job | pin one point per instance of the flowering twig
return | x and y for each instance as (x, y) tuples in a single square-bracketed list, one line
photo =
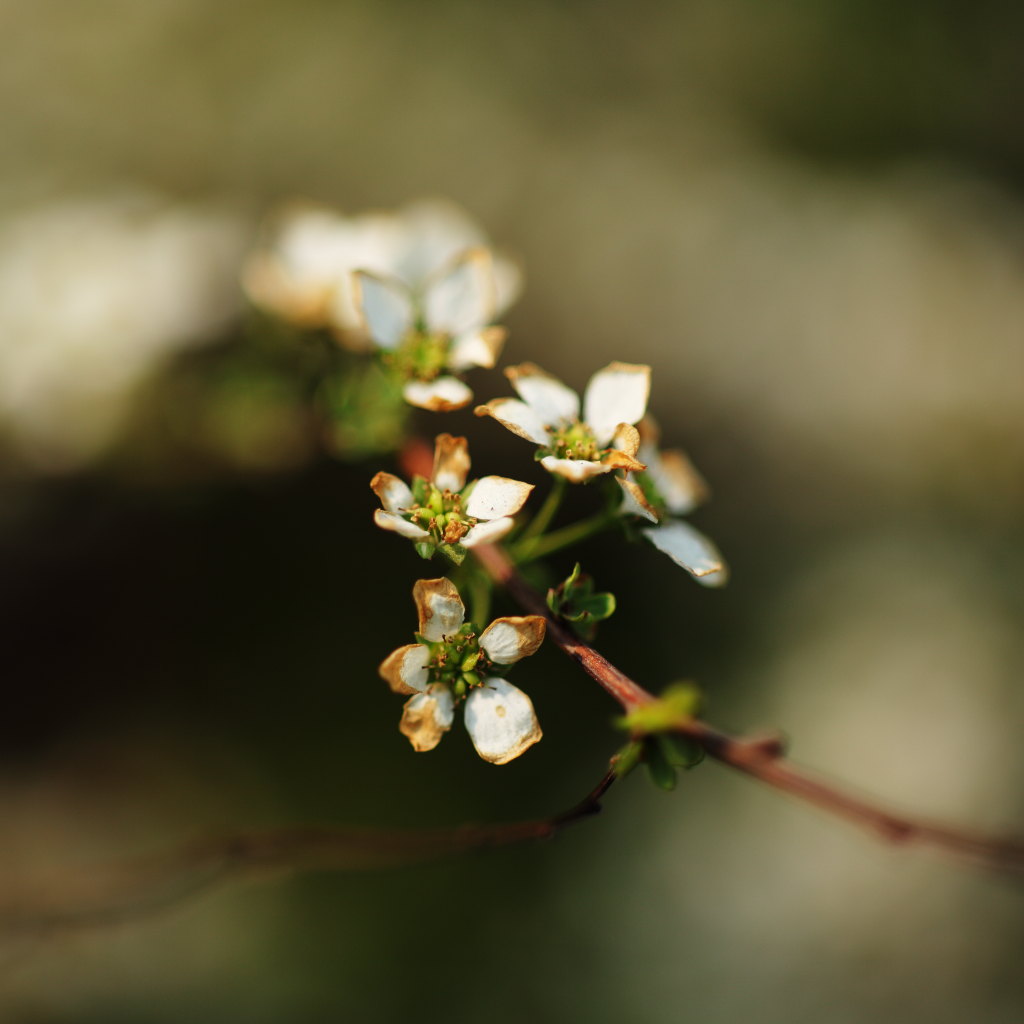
[(762, 757)]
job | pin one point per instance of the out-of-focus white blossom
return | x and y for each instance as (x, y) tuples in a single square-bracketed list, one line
[(95, 295), (430, 336), (303, 271)]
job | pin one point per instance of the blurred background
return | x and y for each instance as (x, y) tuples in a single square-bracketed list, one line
[(806, 216)]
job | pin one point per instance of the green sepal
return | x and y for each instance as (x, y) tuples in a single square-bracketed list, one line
[(627, 759), (456, 552), (660, 769), (420, 490), (425, 549)]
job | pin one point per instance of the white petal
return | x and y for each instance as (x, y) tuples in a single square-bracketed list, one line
[(441, 395), (617, 394), (500, 721), (677, 480), (508, 639), (576, 471), (427, 717), (477, 348), (495, 496), (690, 549), (385, 306), (439, 607), (487, 533), (436, 231), (394, 522), (451, 462), (633, 501), (549, 398), (405, 670), (462, 298), (518, 417), (394, 494)]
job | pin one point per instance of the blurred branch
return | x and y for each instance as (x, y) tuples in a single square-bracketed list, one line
[(133, 891), (762, 757)]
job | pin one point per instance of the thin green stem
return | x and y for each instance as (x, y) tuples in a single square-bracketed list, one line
[(480, 588), (529, 551), (542, 520)]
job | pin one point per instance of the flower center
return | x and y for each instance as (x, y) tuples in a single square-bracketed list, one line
[(572, 440), (439, 513), (458, 662), (421, 356)]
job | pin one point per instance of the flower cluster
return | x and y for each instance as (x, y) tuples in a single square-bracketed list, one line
[(442, 513), (452, 664), (548, 414)]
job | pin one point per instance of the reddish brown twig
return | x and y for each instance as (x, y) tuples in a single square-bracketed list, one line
[(762, 758), (128, 892)]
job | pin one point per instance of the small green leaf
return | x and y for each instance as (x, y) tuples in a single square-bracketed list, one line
[(679, 703), (680, 751), (627, 758), (575, 601), (660, 770)]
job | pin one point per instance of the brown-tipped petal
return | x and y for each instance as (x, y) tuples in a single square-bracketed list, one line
[(620, 460), (496, 496), (427, 717), (518, 417), (396, 524), (405, 670), (394, 494), (500, 721), (451, 462), (634, 502), (444, 394), (691, 550), (439, 607), (576, 471), (547, 396), (616, 394), (626, 439), (512, 637), (476, 348), (650, 432)]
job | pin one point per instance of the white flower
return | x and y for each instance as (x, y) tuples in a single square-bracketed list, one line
[(302, 270), (432, 334), (670, 486), (450, 664), (443, 512), (548, 413)]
